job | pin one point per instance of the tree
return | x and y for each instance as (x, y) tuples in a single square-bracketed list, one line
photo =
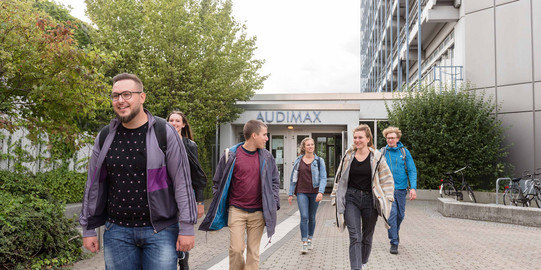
[(47, 83), (61, 14), (191, 54), (446, 131)]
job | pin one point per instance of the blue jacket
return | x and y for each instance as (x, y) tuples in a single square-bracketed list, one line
[(169, 189), (217, 214), (394, 158), (319, 174)]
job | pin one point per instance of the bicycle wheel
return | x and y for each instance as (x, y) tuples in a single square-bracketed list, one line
[(471, 196), (510, 196), (447, 190), (538, 197)]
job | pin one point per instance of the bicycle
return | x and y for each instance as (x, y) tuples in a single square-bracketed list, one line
[(523, 190), (448, 187)]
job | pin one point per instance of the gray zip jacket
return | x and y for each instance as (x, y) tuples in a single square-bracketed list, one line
[(169, 189), (217, 215)]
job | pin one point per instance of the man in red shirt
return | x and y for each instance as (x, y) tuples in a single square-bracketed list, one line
[(248, 198)]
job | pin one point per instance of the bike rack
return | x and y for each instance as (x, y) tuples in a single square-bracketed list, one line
[(498, 186)]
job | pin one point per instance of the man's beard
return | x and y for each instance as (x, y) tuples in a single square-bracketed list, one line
[(129, 117)]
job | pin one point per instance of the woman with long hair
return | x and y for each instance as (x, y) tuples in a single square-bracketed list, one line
[(178, 120), (308, 181), (363, 189)]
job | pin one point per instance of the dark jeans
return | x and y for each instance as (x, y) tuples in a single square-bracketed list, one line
[(398, 212), (360, 216)]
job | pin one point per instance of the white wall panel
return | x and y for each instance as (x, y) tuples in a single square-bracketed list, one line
[(520, 135), (476, 5), (515, 98), (479, 62), (537, 96), (536, 24), (513, 43)]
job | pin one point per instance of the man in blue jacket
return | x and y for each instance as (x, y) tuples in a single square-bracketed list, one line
[(246, 196), (402, 167), (141, 194)]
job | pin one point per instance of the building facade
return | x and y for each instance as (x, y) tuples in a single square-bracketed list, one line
[(328, 118), (494, 45)]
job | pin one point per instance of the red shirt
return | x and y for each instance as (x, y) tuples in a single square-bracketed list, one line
[(245, 190), (304, 182)]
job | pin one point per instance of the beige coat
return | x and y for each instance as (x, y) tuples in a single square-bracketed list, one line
[(382, 186)]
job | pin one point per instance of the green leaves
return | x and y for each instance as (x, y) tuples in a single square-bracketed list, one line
[(49, 84), (34, 233), (190, 54), (446, 131)]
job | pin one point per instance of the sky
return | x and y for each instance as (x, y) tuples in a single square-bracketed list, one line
[(309, 46)]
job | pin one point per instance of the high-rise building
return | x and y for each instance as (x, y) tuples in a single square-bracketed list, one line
[(495, 45)]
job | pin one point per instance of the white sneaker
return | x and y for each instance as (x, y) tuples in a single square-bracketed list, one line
[(310, 245), (365, 266), (304, 248)]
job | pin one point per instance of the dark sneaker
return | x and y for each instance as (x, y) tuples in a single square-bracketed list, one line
[(394, 249)]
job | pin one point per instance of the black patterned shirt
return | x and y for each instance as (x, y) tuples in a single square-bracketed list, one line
[(127, 202)]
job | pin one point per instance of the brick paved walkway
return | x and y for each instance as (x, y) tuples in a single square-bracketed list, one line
[(429, 241)]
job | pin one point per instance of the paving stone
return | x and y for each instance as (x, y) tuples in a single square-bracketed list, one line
[(429, 241)]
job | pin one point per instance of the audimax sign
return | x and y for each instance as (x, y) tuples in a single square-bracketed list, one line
[(289, 117)]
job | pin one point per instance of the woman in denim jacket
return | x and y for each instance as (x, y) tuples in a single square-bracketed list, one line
[(308, 181)]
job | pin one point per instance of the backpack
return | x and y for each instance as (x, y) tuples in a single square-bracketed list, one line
[(383, 150), (159, 129)]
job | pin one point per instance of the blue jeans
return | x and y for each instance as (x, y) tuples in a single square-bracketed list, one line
[(398, 211), (308, 208), (139, 247), (360, 210)]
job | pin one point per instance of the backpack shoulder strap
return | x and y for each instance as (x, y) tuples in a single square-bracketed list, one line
[(383, 150), (161, 133), (226, 154), (103, 134), (402, 149)]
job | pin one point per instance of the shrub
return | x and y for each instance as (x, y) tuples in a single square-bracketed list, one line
[(446, 131), (63, 184), (34, 233)]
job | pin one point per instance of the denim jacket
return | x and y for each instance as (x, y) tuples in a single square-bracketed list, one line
[(319, 174)]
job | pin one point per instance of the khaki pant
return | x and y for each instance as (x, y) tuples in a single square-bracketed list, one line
[(253, 224)]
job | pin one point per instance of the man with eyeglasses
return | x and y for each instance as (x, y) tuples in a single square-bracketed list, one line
[(143, 197), (403, 169)]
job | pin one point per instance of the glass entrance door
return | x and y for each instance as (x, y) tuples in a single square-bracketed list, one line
[(277, 150), (329, 148)]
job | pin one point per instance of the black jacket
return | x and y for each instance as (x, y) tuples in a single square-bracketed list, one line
[(199, 179)]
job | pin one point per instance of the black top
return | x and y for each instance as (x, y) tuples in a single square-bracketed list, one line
[(126, 161), (360, 174)]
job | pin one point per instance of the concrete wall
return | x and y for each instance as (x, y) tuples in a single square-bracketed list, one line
[(490, 212), (502, 43)]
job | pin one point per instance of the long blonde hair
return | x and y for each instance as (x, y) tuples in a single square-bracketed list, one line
[(367, 132), (303, 145)]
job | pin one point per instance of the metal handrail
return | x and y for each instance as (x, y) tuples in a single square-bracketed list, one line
[(498, 186)]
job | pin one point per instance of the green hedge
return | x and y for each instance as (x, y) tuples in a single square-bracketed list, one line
[(445, 131), (63, 184), (34, 233)]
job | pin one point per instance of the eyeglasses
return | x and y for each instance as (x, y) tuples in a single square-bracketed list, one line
[(126, 95), (392, 138)]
